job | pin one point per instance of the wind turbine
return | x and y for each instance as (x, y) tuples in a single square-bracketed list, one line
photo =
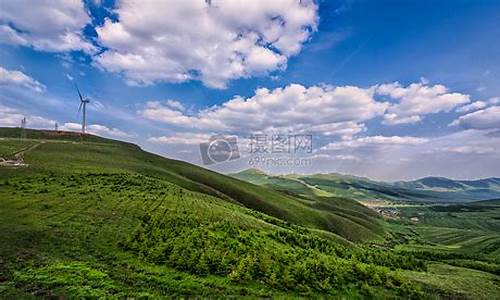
[(83, 103)]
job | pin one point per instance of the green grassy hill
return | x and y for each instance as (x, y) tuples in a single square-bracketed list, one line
[(429, 189), (106, 156), (97, 218), (345, 212)]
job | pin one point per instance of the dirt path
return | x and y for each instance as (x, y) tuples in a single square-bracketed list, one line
[(19, 157)]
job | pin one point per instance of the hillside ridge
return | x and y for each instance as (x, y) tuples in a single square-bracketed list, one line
[(107, 155), (426, 189)]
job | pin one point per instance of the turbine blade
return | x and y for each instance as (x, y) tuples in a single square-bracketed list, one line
[(80, 107), (79, 94)]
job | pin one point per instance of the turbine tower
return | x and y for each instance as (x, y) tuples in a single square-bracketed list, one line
[(83, 104)]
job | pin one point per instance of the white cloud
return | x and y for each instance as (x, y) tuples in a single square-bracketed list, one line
[(163, 112), (96, 129), (47, 25), (395, 119), (10, 117), (181, 139), (462, 154), (176, 41), (342, 157), (346, 157), (375, 141), (107, 131), (174, 104), (488, 118), (392, 140), (466, 149), (471, 107), (494, 101), (416, 100), (18, 78), (343, 129), (325, 109)]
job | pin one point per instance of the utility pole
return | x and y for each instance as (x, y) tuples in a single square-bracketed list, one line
[(23, 128)]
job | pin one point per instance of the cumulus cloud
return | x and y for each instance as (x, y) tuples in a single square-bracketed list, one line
[(418, 99), (338, 118), (107, 131), (212, 41), (11, 117), (341, 157), (18, 78), (96, 129), (174, 104), (323, 109), (326, 110), (494, 101), (47, 25), (472, 107), (376, 141), (466, 149), (164, 112), (343, 129), (488, 118), (181, 139)]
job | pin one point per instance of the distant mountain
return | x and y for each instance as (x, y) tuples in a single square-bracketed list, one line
[(460, 190), (438, 183), (428, 189), (493, 202)]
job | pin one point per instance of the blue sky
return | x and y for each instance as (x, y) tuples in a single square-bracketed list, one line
[(388, 89)]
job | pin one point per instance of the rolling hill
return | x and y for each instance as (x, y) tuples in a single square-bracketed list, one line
[(88, 217), (429, 189), (493, 202), (56, 154)]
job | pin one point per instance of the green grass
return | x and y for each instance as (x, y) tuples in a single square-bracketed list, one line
[(92, 235), (349, 218), (465, 236), (104, 219), (462, 240), (456, 282), (73, 157), (8, 147)]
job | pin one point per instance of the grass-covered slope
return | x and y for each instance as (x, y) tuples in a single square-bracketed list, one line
[(125, 235), (96, 218), (96, 154), (105, 219), (347, 215)]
